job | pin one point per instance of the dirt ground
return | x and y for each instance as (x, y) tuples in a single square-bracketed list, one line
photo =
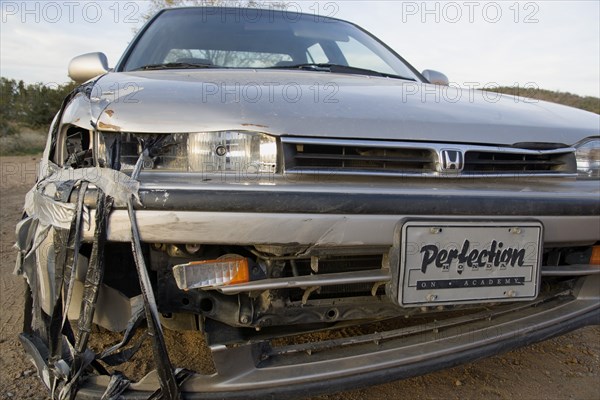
[(567, 367)]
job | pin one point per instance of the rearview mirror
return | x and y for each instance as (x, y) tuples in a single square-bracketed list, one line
[(87, 66), (435, 77)]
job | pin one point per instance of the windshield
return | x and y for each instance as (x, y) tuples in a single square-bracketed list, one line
[(253, 38)]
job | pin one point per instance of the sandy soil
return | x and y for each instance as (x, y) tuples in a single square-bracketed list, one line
[(567, 367)]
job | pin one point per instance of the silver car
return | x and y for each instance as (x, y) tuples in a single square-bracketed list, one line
[(327, 216)]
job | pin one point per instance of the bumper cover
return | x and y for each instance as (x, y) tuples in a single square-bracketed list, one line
[(261, 371), (342, 215)]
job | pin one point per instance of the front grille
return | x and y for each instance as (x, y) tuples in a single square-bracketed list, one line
[(363, 157), (489, 162)]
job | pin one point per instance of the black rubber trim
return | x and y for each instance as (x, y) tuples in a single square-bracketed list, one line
[(372, 203), (384, 376)]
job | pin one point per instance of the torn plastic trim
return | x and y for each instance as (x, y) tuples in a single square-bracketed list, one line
[(113, 183), (41, 202), (95, 273), (169, 385), (70, 269), (67, 377), (47, 207), (114, 310), (48, 211), (59, 336), (63, 375), (117, 385), (135, 320)]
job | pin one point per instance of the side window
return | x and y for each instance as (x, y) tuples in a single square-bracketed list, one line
[(360, 56), (315, 54)]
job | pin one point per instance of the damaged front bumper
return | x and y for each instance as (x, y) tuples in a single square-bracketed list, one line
[(173, 209), (98, 206), (261, 370)]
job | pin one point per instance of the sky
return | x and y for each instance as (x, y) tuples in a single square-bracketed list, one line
[(552, 45)]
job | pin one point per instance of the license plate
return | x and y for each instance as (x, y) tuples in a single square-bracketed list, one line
[(469, 262)]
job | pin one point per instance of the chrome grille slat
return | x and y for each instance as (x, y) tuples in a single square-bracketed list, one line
[(514, 162), (356, 158)]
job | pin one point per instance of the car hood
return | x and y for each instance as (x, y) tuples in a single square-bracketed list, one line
[(321, 104)]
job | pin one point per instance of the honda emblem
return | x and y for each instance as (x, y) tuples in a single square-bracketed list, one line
[(452, 160)]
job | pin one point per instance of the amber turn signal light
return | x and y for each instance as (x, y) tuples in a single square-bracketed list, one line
[(595, 258)]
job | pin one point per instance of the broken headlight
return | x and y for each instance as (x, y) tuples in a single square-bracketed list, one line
[(207, 152), (588, 158)]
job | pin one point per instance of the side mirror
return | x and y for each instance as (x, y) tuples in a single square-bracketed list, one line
[(87, 66), (435, 77)]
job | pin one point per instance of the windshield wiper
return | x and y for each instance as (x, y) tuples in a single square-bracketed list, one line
[(174, 66), (342, 69)]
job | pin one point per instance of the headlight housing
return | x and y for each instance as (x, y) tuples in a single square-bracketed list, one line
[(222, 152), (588, 158), (231, 151)]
